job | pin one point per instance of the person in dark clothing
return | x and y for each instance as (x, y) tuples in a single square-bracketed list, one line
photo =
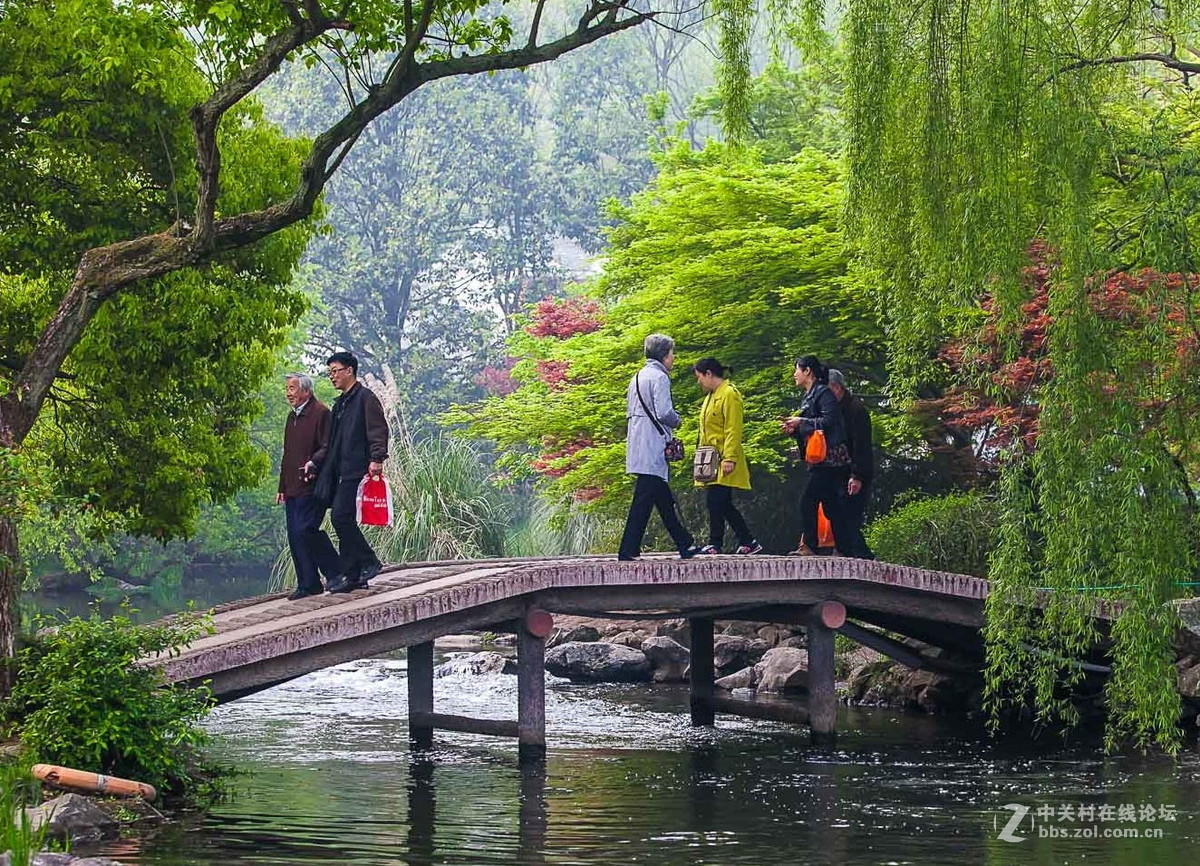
[(304, 436), (857, 421), (358, 442), (826, 480)]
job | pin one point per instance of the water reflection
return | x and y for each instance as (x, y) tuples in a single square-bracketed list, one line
[(329, 779)]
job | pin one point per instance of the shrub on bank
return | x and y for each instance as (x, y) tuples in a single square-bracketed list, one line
[(82, 700), (955, 533)]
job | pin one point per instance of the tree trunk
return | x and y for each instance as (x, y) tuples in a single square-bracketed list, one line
[(10, 584)]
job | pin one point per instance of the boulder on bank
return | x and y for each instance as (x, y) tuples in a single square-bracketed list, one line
[(632, 639), (47, 858), (668, 658), (73, 817), (678, 630), (476, 664), (783, 669), (598, 663)]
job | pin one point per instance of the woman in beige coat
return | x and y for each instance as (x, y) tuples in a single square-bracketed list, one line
[(721, 427)]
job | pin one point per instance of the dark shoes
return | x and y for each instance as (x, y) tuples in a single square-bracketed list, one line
[(369, 572), (345, 583), (301, 592), (689, 553), (627, 558)]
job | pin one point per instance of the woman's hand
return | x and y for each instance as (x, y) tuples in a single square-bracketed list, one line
[(790, 424), (727, 467)]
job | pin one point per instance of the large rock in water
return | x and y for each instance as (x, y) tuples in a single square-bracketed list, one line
[(74, 817), (746, 678), (783, 669), (476, 664), (598, 663), (733, 652), (668, 658)]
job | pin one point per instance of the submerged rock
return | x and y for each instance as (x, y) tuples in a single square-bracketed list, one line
[(746, 678), (476, 664), (598, 662), (74, 817)]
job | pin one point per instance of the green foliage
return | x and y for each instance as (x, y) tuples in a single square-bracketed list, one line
[(954, 533), (18, 790), (974, 130), (731, 257), (82, 700)]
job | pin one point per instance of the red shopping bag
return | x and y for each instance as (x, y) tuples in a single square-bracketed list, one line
[(374, 504)]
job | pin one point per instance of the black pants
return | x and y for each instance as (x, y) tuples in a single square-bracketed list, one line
[(826, 487), (853, 508), (355, 552), (721, 509), (651, 492), (312, 551)]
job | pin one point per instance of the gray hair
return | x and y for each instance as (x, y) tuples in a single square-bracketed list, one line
[(658, 346), (305, 382), (836, 378)]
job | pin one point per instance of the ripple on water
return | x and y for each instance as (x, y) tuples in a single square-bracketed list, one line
[(628, 780)]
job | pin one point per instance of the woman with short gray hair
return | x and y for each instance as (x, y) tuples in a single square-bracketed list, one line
[(651, 420)]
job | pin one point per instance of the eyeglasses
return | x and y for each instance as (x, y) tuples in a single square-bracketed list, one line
[(333, 370)]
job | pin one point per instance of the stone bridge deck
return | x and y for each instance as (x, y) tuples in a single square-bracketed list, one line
[(263, 641)]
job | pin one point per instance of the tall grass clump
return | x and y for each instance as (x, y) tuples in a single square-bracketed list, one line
[(18, 790)]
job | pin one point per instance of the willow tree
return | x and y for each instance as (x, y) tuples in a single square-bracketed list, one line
[(124, 60), (975, 130)]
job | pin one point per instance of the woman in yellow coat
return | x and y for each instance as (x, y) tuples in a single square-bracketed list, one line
[(721, 427)]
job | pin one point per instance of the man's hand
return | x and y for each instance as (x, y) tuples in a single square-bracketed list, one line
[(279, 499), (375, 468), (727, 467), (854, 487), (308, 471)]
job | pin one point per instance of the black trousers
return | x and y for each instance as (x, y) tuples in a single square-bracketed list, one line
[(355, 552), (826, 487), (721, 510), (651, 492), (312, 551), (853, 508)]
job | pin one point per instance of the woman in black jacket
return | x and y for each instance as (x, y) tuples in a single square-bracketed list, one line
[(827, 479)]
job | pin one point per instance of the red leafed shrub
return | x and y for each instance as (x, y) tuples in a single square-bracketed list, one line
[(497, 380), (554, 461), (564, 317), (1006, 411), (554, 373)]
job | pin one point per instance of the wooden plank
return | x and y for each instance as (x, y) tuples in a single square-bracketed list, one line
[(822, 699), (759, 710), (464, 724), (531, 695), (701, 673), (420, 695)]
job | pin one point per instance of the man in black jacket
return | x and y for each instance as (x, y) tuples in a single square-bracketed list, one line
[(857, 422), (358, 441)]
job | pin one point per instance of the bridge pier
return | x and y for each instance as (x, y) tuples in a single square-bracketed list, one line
[(531, 685), (823, 619), (701, 674), (420, 696)]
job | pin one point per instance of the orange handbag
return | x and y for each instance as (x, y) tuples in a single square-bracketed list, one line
[(815, 450)]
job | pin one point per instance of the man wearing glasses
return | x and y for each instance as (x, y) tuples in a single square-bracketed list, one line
[(358, 441)]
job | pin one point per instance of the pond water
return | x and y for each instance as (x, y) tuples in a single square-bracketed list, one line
[(328, 779)]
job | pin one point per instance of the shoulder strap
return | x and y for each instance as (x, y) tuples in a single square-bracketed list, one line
[(703, 409), (649, 414)]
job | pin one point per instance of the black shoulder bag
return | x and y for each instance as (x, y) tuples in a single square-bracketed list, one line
[(672, 447)]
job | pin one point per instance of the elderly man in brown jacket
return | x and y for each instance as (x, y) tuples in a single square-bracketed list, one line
[(304, 436)]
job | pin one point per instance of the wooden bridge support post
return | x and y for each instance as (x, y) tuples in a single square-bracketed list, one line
[(420, 695), (531, 685), (822, 699), (701, 676)]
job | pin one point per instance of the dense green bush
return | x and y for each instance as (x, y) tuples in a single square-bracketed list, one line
[(82, 700), (953, 533)]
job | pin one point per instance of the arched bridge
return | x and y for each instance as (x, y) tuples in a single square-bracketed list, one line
[(263, 641)]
